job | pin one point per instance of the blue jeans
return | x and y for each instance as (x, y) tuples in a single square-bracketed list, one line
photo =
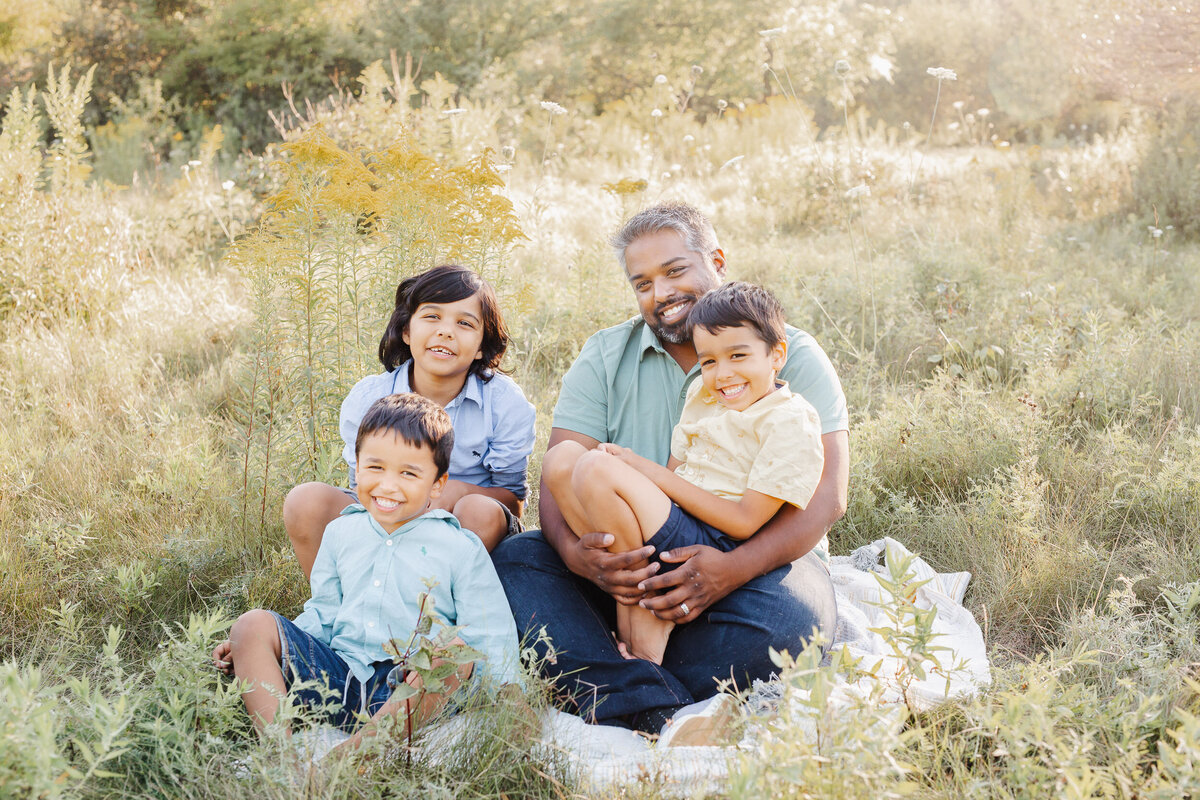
[(729, 640), (305, 659)]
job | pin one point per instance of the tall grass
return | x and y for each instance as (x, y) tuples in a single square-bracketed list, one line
[(1023, 390)]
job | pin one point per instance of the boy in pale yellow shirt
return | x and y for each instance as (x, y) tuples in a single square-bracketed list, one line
[(744, 445)]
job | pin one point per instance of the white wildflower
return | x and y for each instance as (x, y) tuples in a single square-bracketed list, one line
[(227, 185), (1156, 232), (656, 113), (697, 69), (722, 104), (731, 162), (841, 68), (958, 105), (883, 67), (195, 163), (862, 190), (453, 112), (942, 74), (688, 138), (660, 79), (771, 33), (552, 107), (983, 112), (503, 167)]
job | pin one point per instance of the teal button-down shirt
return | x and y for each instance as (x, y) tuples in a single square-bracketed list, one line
[(365, 584), (626, 389)]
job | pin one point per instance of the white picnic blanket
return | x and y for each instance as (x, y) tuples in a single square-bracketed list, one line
[(602, 759)]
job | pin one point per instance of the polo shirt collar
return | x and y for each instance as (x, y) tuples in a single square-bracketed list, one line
[(648, 341)]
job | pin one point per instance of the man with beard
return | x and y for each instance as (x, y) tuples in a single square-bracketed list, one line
[(627, 386)]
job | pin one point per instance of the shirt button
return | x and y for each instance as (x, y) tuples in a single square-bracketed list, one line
[(389, 542), (377, 582), (370, 624)]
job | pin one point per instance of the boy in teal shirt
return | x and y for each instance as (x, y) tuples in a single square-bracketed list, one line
[(373, 563)]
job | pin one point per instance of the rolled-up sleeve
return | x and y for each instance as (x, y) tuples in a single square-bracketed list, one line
[(486, 622), (507, 457)]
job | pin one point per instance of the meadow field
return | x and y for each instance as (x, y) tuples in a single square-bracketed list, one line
[(1013, 310)]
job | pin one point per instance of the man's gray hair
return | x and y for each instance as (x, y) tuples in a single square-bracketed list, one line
[(697, 232)]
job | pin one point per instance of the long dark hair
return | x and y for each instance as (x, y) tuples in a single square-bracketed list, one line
[(448, 283)]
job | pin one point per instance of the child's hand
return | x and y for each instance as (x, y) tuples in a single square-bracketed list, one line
[(624, 453), (627, 456), (222, 659)]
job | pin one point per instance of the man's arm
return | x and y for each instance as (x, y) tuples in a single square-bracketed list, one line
[(587, 556), (708, 574)]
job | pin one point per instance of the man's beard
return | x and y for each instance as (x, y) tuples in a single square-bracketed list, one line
[(673, 332)]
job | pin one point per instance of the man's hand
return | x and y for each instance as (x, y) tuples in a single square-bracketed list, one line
[(221, 659), (617, 574), (703, 577)]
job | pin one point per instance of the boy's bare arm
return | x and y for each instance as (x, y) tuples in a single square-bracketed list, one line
[(737, 518), (708, 574)]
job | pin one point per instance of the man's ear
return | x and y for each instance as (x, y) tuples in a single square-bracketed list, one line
[(435, 491), (718, 261)]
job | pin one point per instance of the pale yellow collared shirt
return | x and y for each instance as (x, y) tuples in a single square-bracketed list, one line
[(773, 447)]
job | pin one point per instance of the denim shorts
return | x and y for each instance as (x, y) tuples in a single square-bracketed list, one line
[(682, 529), (307, 660)]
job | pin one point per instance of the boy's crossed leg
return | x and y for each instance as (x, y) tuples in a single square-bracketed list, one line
[(596, 491)]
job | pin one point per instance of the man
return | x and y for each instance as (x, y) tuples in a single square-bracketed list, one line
[(627, 387)]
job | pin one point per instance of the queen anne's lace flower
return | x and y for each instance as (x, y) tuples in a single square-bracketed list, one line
[(552, 107), (942, 74)]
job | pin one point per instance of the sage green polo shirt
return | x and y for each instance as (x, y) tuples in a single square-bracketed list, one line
[(626, 389)]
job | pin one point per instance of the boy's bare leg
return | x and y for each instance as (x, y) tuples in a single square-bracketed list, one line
[(254, 649), (419, 709), (483, 516), (558, 470), (621, 501), (307, 509)]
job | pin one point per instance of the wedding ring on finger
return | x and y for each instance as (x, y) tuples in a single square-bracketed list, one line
[(683, 607)]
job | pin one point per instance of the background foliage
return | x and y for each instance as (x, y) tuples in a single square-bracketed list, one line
[(192, 275)]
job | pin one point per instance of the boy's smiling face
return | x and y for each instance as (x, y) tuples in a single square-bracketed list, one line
[(396, 479), (736, 365)]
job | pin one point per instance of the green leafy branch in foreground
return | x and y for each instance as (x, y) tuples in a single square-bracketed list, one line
[(433, 659)]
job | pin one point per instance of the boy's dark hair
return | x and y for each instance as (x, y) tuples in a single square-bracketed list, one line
[(739, 303), (418, 421), (448, 283)]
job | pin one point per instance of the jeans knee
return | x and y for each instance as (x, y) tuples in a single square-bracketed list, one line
[(523, 551)]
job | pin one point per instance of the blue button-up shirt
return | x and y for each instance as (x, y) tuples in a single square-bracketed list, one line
[(493, 427), (365, 584)]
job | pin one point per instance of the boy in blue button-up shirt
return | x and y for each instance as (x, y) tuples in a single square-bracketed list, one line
[(372, 565)]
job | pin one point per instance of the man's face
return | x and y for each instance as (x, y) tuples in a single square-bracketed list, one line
[(667, 279)]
